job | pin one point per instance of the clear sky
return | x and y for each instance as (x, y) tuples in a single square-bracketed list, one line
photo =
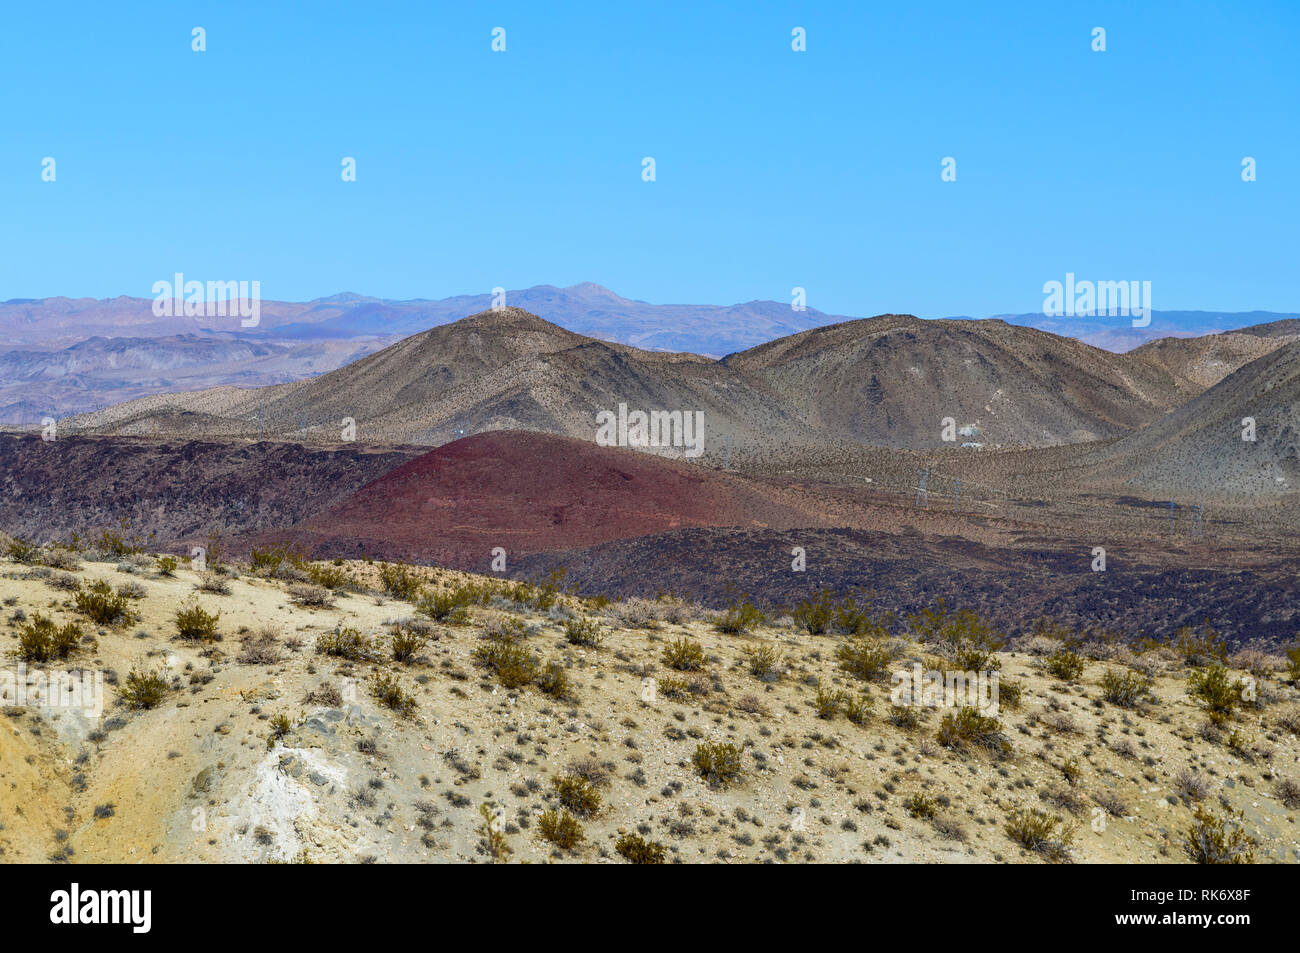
[(774, 168)]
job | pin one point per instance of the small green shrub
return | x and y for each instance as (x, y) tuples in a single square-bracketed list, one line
[(740, 617), (764, 662), (1213, 840), (513, 665), (1125, 689), (399, 580), (23, 553), (406, 644), (921, 805), (637, 850), (717, 763), (1065, 665), (144, 690), (866, 659), (967, 726), (814, 615), (827, 704), (195, 625), (583, 631), (683, 655), (577, 794), (345, 643), (388, 691), (448, 606), (99, 603), (560, 829), (167, 565), (1218, 691), (1034, 829), (554, 681), (42, 641)]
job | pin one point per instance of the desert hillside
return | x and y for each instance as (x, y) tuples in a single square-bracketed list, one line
[(318, 712)]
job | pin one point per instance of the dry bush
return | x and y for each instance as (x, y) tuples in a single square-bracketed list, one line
[(1189, 784), (310, 596), (213, 583), (261, 647)]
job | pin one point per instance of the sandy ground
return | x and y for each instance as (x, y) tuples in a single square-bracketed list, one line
[(193, 780)]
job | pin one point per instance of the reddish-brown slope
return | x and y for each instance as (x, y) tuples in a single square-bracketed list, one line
[(531, 492)]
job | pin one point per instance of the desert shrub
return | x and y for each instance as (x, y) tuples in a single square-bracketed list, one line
[(583, 632), (814, 615), (1217, 840), (58, 557), (99, 603), (1064, 664), (683, 655), (132, 590), (1288, 719), (406, 643), (1010, 693), (345, 643), (310, 596), (921, 805), (740, 617), (717, 763), (118, 542), (65, 581), (260, 648), (866, 659), (1288, 792), (856, 619), (447, 606), (23, 553), (328, 577), (637, 850), (857, 710), (827, 704), (562, 830), (513, 664), (1035, 829), (399, 580), (1191, 785), (964, 636), (213, 583), (967, 726), (554, 681), (1200, 645), (683, 688), (764, 661), (40, 640), (281, 725), (1293, 665), (144, 689), (388, 691), (907, 717), (1126, 689), (577, 794), (269, 559), (509, 629), (167, 565), (1111, 803), (196, 625), (1218, 691)]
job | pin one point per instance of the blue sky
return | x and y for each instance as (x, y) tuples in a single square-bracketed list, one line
[(774, 168)]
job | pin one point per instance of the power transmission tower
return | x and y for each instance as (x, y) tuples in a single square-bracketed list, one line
[(956, 505), (726, 463), (1171, 519), (922, 493), (1198, 520)]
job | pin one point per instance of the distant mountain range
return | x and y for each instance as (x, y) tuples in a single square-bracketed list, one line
[(62, 355)]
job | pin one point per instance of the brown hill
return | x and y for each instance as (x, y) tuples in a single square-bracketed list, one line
[(891, 380), (887, 381), (1202, 362), (497, 370), (1198, 449), (532, 492)]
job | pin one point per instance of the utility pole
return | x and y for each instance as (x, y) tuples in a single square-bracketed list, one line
[(1171, 519), (726, 463), (1198, 520), (955, 496)]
